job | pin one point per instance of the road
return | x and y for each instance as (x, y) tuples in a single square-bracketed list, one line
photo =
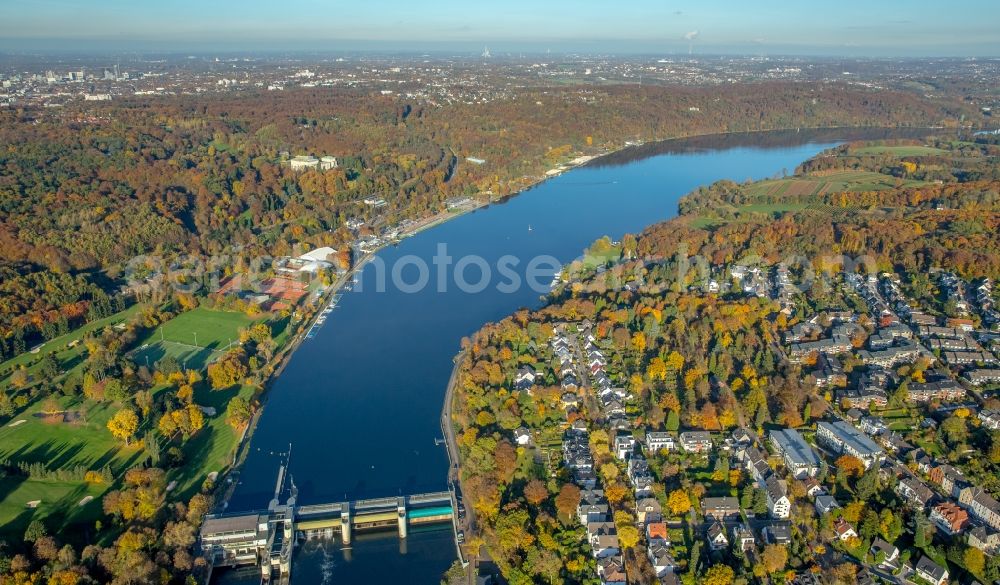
[(467, 523)]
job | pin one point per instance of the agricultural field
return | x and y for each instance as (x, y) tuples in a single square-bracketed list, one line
[(818, 185), (194, 338)]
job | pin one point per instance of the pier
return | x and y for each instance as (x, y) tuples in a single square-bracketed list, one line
[(266, 538)]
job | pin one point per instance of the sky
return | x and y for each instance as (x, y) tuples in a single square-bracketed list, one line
[(876, 28)]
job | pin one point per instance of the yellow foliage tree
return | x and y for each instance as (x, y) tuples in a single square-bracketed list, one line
[(679, 502), (124, 424)]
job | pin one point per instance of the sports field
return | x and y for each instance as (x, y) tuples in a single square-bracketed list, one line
[(194, 338)]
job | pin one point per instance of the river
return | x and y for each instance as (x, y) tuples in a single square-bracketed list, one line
[(360, 402)]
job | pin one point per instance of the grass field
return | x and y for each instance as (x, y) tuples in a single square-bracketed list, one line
[(899, 150), (60, 503), (85, 442), (194, 338)]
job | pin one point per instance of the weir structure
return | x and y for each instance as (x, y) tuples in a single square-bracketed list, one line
[(266, 538)]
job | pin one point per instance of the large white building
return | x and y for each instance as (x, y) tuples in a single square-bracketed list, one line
[(799, 457), (841, 437), (303, 163)]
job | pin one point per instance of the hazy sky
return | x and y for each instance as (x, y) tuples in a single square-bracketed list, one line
[(840, 27)]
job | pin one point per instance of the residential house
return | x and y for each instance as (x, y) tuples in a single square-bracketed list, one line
[(755, 463), (648, 510), (743, 539), (949, 518), (722, 509), (985, 539), (778, 503), (657, 532), (716, 537), (813, 487), (589, 513), (696, 441), (624, 445), (990, 419), (951, 479), (661, 559), (643, 486), (611, 570), (657, 441), (829, 371), (844, 530), (888, 551), (930, 571), (872, 425), (522, 436), (742, 436), (825, 504), (778, 533), (603, 537), (637, 467), (981, 505), (914, 492), (525, 378)]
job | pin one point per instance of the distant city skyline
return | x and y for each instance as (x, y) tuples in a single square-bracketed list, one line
[(852, 28)]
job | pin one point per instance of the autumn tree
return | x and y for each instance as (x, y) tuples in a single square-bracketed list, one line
[(775, 557), (679, 502), (535, 492), (124, 424), (568, 500), (228, 370), (718, 574), (238, 412), (849, 466)]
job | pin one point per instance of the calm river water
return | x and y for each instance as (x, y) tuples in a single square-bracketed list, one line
[(360, 402)]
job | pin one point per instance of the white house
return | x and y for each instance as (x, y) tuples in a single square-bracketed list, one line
[(660, 441), (930, 571)]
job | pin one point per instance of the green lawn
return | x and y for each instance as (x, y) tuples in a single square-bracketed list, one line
[(60, 503), (899, 150), (83, 442), (195, 338)]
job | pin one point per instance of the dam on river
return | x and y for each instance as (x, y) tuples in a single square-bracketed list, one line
[(266, 538)]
